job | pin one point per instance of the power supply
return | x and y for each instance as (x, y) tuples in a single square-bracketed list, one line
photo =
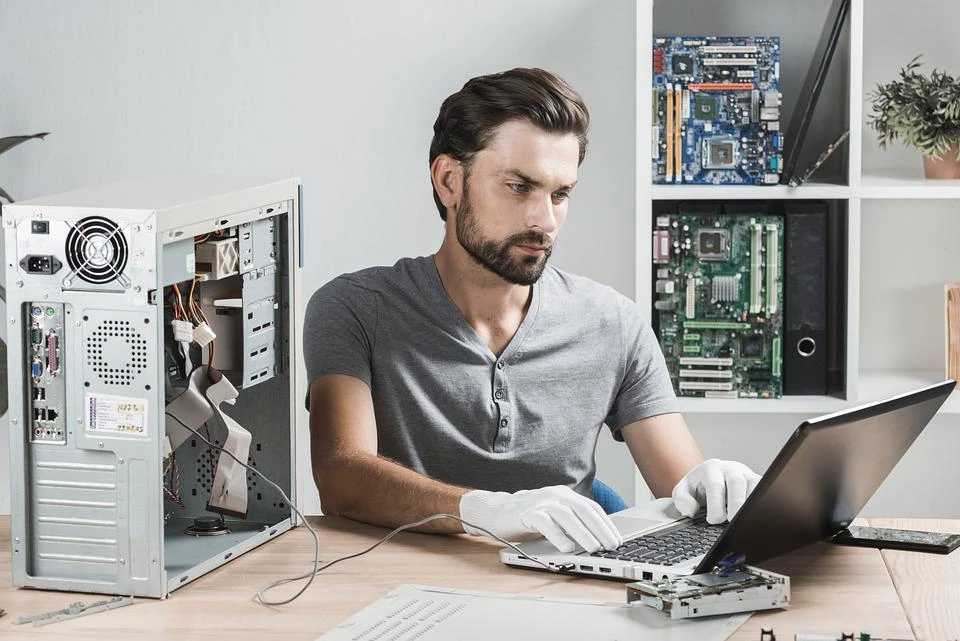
[(143, 318)]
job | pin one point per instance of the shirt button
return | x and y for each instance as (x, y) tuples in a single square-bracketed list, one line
[(498, 394), (500, 365), (504, 422)]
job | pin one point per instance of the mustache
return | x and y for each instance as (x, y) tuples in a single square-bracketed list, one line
[(531, 239)]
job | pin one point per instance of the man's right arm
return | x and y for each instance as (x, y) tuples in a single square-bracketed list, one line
[(356, 483), (352, 479)]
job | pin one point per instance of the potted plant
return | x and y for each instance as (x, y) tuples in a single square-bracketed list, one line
[(923, 111)]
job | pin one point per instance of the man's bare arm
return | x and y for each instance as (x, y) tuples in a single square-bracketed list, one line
[(663, 449), (356, 483)]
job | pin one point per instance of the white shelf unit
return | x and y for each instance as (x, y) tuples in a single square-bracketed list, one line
[(885, 252)]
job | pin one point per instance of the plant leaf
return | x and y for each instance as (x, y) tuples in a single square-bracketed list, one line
[(922, 111), (12, 141)]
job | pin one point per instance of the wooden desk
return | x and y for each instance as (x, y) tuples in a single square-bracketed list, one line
[(833, 589)]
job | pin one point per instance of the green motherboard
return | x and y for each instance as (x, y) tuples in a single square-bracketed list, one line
[(718, 300)]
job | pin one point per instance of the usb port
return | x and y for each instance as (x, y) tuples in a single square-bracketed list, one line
[(586, 568)]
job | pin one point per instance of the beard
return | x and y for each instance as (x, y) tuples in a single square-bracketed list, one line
[(495, 256)]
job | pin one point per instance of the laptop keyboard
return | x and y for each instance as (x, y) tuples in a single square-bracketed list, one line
[(671, 546)]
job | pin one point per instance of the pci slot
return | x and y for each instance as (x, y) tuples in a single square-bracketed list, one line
[(711, 394), (704, 361), (741, 49), (772, 267), (706, 373), (756, 268), (714, 386), (730, 62), (669, 133)]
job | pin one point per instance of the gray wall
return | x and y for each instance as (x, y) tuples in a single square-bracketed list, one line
[(341, 94)]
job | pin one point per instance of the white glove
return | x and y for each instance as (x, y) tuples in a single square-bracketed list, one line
[(722, 486), (564, 517)]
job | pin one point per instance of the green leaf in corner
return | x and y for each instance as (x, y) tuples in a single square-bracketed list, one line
[(12, 141)]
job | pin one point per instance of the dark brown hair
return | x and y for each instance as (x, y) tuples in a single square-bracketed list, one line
[(469, 118)]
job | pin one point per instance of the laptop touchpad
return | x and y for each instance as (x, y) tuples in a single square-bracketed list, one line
[(629, 526)]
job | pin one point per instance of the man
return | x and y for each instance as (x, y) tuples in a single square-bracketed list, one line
[(474, 382)]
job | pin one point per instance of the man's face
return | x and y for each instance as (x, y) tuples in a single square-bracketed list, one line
[(515, 199)]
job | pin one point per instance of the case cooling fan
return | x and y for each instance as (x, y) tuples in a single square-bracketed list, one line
[(97, 251)]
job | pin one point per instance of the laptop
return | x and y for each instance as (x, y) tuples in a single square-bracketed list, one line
[(809, 94), (823, 476)]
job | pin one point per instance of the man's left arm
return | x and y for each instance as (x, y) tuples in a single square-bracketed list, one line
[(672, 465), (663, 449)]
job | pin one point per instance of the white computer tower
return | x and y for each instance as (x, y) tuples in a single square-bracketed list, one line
[(108, 494)]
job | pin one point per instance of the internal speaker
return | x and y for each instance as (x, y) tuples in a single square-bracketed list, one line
[(97, 251)]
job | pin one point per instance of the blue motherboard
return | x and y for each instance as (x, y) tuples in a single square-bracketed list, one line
[(716, 110)]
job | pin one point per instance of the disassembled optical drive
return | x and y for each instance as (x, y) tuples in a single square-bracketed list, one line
[(743, 589)]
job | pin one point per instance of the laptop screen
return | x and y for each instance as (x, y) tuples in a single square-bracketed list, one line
[(824, 475)]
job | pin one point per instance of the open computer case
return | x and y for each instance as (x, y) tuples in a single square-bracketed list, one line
[(118, 299)]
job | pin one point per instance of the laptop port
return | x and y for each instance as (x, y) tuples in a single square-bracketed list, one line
[(587, 568), (647, 576), (606, 570)]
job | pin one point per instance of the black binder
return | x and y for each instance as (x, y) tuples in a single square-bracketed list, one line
[(805, 338)]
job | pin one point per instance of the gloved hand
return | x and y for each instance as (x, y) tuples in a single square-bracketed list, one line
[(722, 486), (564, 517)]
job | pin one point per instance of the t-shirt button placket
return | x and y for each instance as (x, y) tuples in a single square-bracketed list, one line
[(504, 405)]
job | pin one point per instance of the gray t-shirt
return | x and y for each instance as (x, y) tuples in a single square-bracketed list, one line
[(448, 408)]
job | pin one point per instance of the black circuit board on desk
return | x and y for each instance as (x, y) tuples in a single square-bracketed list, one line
[(716, 110), (718, 303)]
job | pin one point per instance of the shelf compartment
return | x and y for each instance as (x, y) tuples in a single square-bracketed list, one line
[(906, 183), (874, 386), (809, 191)]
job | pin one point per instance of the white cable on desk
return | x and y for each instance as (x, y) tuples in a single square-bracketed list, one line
[(316, 539), (317, 568)]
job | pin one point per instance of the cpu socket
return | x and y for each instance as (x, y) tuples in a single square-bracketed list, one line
[(720, 153), (712, 244)]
